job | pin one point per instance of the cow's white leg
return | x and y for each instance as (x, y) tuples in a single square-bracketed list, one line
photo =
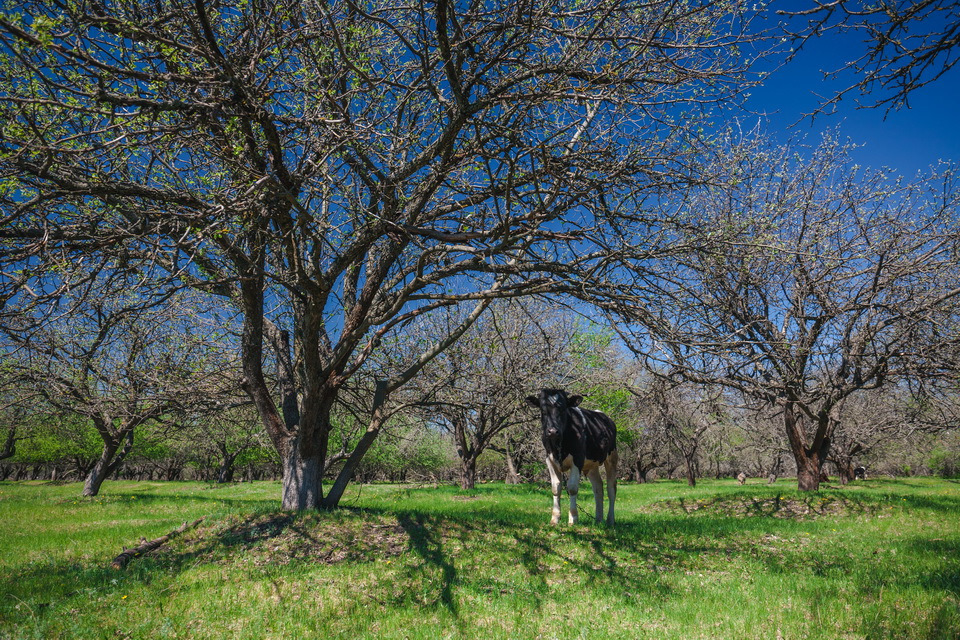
[(555, 488), (610, 466), (573, 487), (597, 485)]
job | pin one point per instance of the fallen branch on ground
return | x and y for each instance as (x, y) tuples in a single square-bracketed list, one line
[(146, 546)]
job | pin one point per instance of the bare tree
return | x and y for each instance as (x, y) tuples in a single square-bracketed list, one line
[(812, 283), (116, 358), (224, 433), (682, 416), (330, 169), (12, 399), (10, 443), (478, 385)]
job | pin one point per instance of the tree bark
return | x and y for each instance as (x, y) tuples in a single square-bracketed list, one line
[(512, 477), (10, 446), (378, 417), (690, 466), (109, 461), (147, 546), (809, 459), (468, 472), (302, 475), (225, 472), (808, 473), (844, 470), (641, 473)]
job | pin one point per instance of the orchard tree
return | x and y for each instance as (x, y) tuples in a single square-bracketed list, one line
[(110, 354), (479, 384), (682, 415), (13, 403), (814, 281), (334, 170)]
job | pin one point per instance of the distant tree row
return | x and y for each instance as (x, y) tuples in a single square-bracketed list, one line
[(467, 422)]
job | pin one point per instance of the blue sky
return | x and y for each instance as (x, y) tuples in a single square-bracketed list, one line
[(908, 140)]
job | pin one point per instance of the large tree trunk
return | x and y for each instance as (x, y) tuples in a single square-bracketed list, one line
[(225, 472), (512, 477), (643, 469), (809, 459), (97, 475), (10, 446), (808, 473), (691, 470), (843, 460), (109, 461), (301, 487), (468, 472), (467, 451), (844, 469), (640, 473)]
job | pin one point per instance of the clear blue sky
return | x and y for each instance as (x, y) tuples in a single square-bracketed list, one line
[(908, 140)]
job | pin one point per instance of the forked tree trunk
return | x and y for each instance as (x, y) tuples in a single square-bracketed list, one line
[(691, 471), (843, 460), (99, 473), (642, 470), (109, 461), (808, 472), (225, 472), (844, 470), (809, 459)]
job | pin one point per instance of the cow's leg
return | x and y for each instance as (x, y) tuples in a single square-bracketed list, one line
[(554, 488), (597, 485), (610, 466), (573, 487)]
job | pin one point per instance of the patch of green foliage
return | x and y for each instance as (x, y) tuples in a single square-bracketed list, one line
[(876, 559)]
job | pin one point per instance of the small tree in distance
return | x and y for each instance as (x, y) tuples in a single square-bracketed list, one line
[(478, 384), (813, 282), (113, 358)]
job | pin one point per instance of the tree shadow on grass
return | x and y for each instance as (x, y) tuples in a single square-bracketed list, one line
[(428, 544), (147, 498)]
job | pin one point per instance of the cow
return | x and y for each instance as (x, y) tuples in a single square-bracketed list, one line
[(577, 441), (860, 473)]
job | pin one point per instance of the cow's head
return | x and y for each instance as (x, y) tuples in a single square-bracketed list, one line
[(554, 406)]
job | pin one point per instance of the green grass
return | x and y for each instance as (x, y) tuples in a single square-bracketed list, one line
[(879, 559)]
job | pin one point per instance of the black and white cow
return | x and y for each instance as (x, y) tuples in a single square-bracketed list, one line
[(577, 441)]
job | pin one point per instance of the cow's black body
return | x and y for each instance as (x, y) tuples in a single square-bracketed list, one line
[(577, 441), (590, 436)]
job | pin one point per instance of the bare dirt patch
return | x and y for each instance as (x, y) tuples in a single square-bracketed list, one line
[(791, 508), (281, 539)]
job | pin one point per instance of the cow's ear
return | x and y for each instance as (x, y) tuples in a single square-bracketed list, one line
[(574, 401), (533, 401)]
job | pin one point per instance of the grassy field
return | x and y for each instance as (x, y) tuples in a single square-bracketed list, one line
[(879, 559)]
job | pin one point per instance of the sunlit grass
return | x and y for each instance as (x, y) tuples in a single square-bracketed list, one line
[(879, 559)]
